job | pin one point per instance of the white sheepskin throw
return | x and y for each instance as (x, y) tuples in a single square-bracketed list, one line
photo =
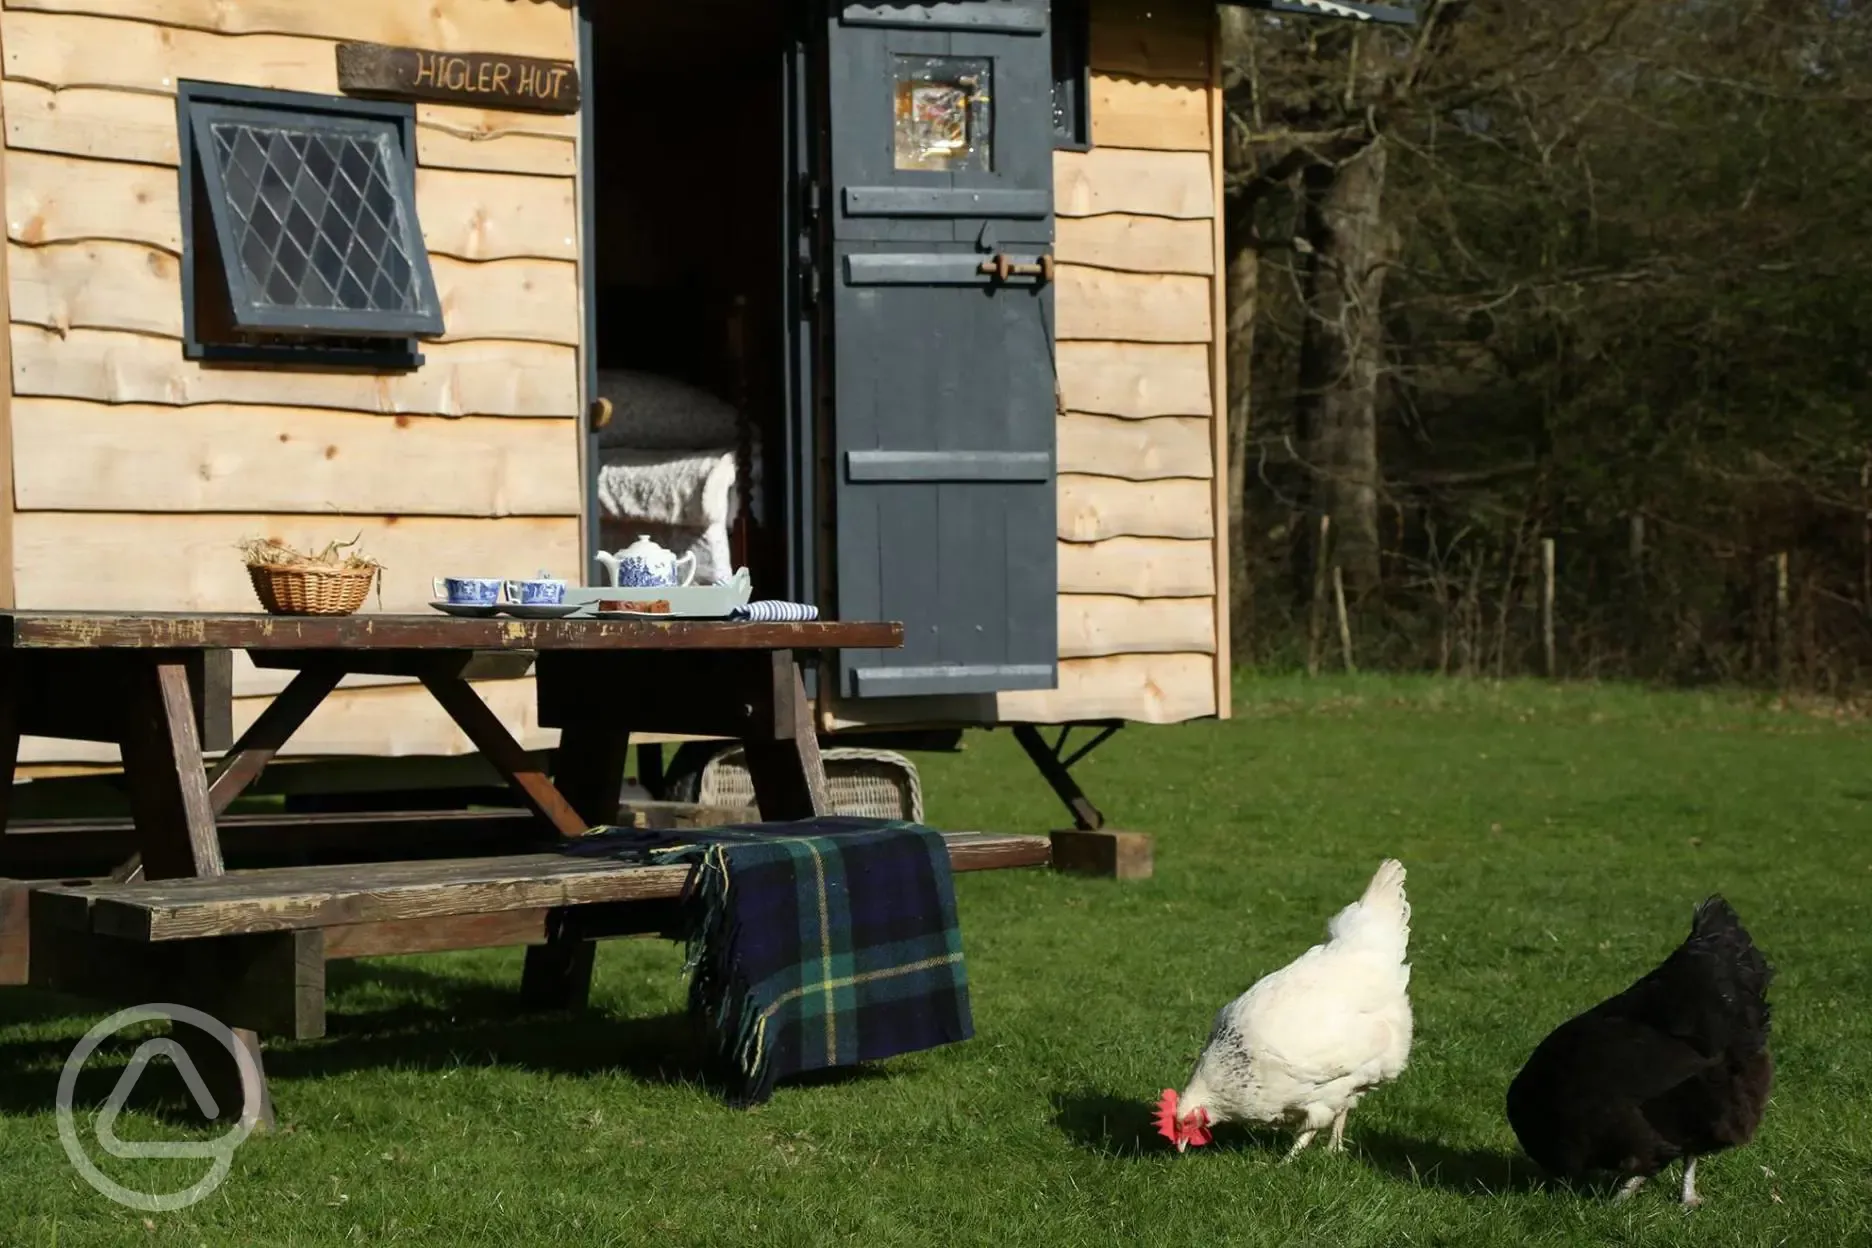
[(649, 412), (668, 487), (684, 499)]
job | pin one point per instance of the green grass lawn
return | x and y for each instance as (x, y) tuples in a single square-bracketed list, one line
[(1556, 840)]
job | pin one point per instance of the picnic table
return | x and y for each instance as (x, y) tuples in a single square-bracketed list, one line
[(250, 947)]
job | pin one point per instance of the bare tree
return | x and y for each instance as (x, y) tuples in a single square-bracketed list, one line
[(1561, 266), (1348, 245), (1243, 278)]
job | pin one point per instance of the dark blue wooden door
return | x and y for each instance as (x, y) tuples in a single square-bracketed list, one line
[(941, 368)]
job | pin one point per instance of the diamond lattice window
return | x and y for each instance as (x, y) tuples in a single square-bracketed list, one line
[(314, 219)]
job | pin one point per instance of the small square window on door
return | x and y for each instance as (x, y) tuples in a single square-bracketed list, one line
[(944, 114), (303, 238)]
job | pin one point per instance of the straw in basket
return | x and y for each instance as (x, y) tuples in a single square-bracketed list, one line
[(289, 583)]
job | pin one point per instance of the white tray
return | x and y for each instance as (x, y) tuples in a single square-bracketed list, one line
[(691, 601), (671, 614)]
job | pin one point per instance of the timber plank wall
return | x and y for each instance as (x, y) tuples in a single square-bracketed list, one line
[(1139, 297), (135, 471)]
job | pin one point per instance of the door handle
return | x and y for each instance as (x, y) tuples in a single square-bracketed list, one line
[(1001, 268), (599, 414)]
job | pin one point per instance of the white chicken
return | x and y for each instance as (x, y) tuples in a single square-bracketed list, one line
[(1309, 1040)]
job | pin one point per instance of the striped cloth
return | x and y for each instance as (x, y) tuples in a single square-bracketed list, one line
[(767, 612), (822, 943)]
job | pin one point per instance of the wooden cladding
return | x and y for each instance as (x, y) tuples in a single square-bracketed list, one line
[(1142, 607), (118, 437), (524, 28), (480, 78)]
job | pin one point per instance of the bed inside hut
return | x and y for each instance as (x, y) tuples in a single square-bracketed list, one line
[(686, 182)]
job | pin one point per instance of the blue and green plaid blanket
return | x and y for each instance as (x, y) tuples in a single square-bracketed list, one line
[(822, 943)]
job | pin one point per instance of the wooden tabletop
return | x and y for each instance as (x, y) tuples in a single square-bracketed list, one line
[(112, 630)]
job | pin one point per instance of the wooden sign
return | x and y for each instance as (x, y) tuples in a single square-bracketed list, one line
[(483, 79)]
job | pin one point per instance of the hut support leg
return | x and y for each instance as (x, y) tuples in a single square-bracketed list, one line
[(1088, 846), (1055, 768)]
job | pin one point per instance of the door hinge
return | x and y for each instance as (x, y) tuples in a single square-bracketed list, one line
[(804, 260), (808, 273)]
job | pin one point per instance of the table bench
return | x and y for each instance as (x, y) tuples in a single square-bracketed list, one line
[(203, 939), (139, 681)]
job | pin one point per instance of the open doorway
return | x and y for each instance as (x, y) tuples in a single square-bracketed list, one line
[(687, 181)]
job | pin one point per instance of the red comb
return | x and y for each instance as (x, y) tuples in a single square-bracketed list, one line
[(1167, 1115)]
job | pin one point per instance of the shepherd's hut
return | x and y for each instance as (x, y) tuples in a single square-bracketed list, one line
[(912, 310)]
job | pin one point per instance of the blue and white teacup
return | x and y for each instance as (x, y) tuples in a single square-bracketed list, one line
[(539, 592), (471, 591)]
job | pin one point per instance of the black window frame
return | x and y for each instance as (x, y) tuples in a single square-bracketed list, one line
[(322, 339), (1070, 28)]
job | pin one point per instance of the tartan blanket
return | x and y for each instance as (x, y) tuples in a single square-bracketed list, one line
[(828, 942)]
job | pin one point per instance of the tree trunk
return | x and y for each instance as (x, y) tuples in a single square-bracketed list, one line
[(1342, 352), (1244, 276), (1242, 288)]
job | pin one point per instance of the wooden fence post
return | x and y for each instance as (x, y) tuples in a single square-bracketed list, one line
[(1782, 648), (1316, 610), (1345, 624), (1547, 605), (1865, 532)]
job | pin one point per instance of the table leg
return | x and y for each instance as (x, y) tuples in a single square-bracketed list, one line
[(787, 772), (558, 974), (15, 930), (9, 734), (175, 819), (243, 763), (497, 745), (221, 1072), (588, 771), (14, 938), (650, 771), (167, 778)]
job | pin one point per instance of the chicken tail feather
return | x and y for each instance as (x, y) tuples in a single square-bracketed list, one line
[(1725, 947), (1380, 918), (1387, 887)]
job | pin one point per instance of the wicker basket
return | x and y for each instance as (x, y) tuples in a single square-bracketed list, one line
[(878, 784), (307, 589)]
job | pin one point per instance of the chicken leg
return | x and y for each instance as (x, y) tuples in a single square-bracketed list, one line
[(1627, 1188), (1337, 1143), (1690, 1198), (1306, 1138)]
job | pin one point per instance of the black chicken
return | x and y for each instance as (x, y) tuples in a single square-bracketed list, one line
[(1675, 1066)]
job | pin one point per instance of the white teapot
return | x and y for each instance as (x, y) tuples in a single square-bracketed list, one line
[(644, 564)]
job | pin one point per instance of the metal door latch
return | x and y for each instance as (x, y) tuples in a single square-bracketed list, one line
[(1001, 268)]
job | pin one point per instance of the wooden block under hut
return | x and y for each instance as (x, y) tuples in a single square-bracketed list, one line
[(1115, 855)]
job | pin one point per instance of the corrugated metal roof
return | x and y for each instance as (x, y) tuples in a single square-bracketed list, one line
[(1386, 14)]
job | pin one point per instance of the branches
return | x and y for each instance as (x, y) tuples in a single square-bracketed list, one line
[(1624, 272)]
